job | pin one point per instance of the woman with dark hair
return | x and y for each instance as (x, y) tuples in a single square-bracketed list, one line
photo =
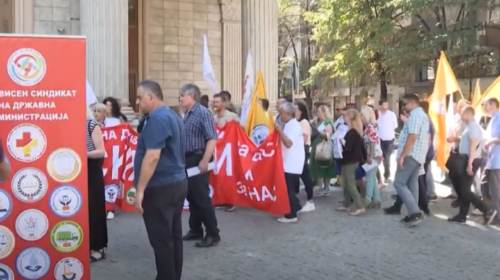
[(302, 116), (113, 109)]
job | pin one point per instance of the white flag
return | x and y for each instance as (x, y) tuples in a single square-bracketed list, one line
[(208, 70), (89, 94), (247, 89), (450, 119)]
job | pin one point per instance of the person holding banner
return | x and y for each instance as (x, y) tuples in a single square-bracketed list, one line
[(160, 179), (201, 138), (292, 150), (222, 117), (98, 229)]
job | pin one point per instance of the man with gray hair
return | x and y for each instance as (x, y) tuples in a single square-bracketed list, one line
[(160, 179), (201, 139), (292, 150)]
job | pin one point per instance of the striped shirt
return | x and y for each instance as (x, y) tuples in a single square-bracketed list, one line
[(200, 128), (91, 125)]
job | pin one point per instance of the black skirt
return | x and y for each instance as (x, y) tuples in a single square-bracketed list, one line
[(98, 229)]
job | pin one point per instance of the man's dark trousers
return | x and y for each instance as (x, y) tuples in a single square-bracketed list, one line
[(387, 147), (201, 210), (162, 215)]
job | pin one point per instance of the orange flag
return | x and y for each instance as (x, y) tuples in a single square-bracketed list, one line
[(492, 91), (477, 95), (445, 84)]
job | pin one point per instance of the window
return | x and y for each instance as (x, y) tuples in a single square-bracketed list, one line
[(133, 12)]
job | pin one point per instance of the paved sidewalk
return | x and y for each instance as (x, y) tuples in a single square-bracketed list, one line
[(324, 245)]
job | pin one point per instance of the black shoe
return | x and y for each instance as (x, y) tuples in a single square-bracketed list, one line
[(394, 196), (427, 212), (392, 211), (456, 220), (192, 236), (405, 220), (432, 198), (208, 241), (489, 217), (415, 219), (455, 204)]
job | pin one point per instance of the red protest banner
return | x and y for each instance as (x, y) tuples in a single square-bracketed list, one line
[(246, 175), (43, 205)]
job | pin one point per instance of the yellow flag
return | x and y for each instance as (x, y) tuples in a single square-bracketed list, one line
[(445, 84), (477, 94), (258, 124), (492, 91), (260, 89)]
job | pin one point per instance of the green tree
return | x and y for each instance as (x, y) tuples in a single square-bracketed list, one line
[(378, 39), (294, 28)]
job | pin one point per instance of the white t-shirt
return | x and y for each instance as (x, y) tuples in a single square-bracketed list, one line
[(110, 122), (387, 123), (293, 157)]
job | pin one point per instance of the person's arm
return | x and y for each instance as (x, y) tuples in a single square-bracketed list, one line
[(210, 135), (306, 130), (290, 135), (4, 166), (373, 141), (98, 143), (495, 131), (394, 120), (156, 133), (413, 130)]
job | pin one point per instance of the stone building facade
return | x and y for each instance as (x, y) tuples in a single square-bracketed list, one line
[(132, 40)]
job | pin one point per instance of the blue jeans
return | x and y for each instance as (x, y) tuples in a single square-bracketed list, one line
[(429, 178), (406, 184)]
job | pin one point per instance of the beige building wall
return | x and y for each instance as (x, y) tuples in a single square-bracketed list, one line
[(175, 30)]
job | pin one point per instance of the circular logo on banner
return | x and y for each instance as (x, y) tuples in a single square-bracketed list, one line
[(111, 192), (26, 67), (259, 134), (6, 273), (65, 201), (66, 236), (33, 263), (130, 195), (29, 185), (32, 224), (7, 242), (64, 165), (5, 205), (210, 193), (26, 142), (7, 161), (68, 269)]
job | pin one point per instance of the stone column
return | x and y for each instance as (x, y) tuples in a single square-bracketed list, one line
[(260, 37), (231, 49), (105, 23)]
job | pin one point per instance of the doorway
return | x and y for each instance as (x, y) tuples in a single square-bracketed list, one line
[(6, 16), (133, 50)]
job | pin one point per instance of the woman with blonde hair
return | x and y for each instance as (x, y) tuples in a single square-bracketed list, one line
[(322, 171), (353, 155), (101, 116), (98, 230), (371, 141)]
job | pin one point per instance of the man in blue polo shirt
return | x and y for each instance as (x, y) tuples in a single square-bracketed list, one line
[(160, 179)]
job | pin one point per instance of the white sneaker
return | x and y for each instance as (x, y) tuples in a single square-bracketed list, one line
[(476, 212), (308, 207), (287, 221), (110, 216)]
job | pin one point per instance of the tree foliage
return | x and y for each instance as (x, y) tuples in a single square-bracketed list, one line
[(379, 39)]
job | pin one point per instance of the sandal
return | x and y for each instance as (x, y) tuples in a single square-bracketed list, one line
[(376, 205), (357, 212), (343, 209), (94, 258)]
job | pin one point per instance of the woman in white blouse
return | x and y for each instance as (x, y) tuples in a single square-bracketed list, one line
[(302, 116)]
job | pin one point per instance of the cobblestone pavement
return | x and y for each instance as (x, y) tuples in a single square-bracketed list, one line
[(324, 245)]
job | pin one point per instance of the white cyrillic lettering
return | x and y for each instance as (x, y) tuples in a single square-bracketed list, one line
[(13, 93), (225, 157), (4, 105)]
